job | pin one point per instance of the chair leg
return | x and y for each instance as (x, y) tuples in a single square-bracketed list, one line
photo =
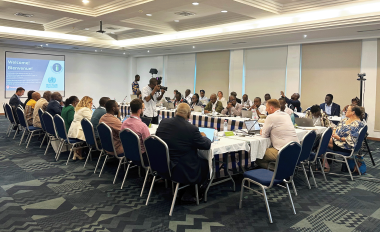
[(125, 175), (307, 178), (27, 138), (146, 177), (312, 175), (105, 160), (174, 199), (97, 163), (48, 145), (22, 137), (30, 138), (150, 190), (196, 194), (357, 166), (16, 132), (323, 168), (71, 151), (241, 194), (60, 146), (89, 154), (267, 205), (117, 171), (294, 188), (290, 197), (9, 127), (369, 151), (348, 167), (43, 140)]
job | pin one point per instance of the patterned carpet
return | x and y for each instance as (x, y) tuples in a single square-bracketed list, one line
[(39, 194)]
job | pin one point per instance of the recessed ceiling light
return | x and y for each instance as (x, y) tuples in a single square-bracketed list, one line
[(177, 21), (101, 50), (195, 3), (112, 32), (193, 46), (85, 1), (96, 50), (148, 50), (123, 53), (47, 44), (87, 29), (149, 15), (224, 11), (31, 21), (304, 36)]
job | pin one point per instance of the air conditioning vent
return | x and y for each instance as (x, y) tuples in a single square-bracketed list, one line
[(370, 30), (75, 48), (185, 13), (24, 15)]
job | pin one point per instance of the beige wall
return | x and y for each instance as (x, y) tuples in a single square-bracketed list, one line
[(213, 72), (377, 108), (330, 68)]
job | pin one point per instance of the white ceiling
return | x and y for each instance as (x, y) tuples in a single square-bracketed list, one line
[(126, 20)]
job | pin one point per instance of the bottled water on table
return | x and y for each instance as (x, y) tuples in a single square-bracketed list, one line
[(203, 110), (216, 136), (213, 112), (159, 118), (225, 127)]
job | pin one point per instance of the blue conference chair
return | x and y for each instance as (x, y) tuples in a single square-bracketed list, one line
[(158, 156), (316, 157), (307, 145), (50, 130), (40, 113), (89, 134), (352, 155), (286, 162), (132, 151), (60, 128), (106, 138), (27, 129), (12, 119), (6, 116)]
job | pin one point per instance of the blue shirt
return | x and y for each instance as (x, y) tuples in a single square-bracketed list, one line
[(135, 87)]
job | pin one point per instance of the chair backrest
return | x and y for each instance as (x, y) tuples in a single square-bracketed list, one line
[(9, 110), (158, 155), (5, 111), (359, 142), (21, 117), (40, 113), (89, 133), (323, 143), (307, 144), (287, 160), (365, 117), (49, 124), (105, 135), (60, 128), (132, 146)]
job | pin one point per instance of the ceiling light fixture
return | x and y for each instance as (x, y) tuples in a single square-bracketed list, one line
[(193, 46), (43, 34), (149, 15), (47, 44), (24, 15), (31, 21), (224, 11), (195, 3), (85, 1), (123, 53), (177, 21), (304, 36), (148, 50), (87, 29), (96, 50)]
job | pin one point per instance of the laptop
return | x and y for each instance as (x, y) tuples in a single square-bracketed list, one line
[(170, 106), (209, 132), (197, 108), (246, 113), (304, 122), (252, 126), (133, 96), (146, 120)]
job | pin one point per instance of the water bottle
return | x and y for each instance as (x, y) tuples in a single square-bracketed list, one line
[(203, 110), (254, 115), (216, 136), (213, 112), (190, 121), (159, 118), (225, 125), (295, 109), (343, 115)]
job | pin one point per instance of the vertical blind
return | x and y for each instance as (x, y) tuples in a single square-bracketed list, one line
[(330, 68), (213, 72)]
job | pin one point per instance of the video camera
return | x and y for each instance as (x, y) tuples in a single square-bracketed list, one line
[(159, 80)]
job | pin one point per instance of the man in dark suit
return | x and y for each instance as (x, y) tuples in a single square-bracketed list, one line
[(55, 105), (184, 140), (15, 99), (330, 108), (98, 113)]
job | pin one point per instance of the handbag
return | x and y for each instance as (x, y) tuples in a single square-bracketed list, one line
[(361, 164)]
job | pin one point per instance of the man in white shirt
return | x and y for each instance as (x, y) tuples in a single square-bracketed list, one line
[(260, 109), (279, 129), (202, 96), (151, 95), (188, 95), (233, 108), (246, 102)]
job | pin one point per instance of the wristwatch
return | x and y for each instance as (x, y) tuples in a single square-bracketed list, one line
[(340, 139)]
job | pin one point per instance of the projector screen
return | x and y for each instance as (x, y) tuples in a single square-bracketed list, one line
[(38, 72)]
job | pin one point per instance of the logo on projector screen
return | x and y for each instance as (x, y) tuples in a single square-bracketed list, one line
[(51, 84), (56, 67)]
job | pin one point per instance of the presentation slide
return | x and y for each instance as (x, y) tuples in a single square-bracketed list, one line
[(38, 72)]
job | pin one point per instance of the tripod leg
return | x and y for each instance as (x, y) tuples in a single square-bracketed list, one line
[(369, 151)]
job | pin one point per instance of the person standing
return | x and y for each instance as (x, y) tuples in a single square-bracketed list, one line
[(151, 95), (135, 85)]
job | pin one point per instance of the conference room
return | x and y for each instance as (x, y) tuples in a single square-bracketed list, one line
[(209, 115)]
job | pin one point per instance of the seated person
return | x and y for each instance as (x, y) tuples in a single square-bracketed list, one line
[(188, 95), (178, 99), (29, 96), (203, 97), (195, 101), (29, 107), (246, 102), (82, 110), (55, 105), (330, 108), (98, 113), (235, 95), (319, 117), (220, 96), (284, 107), (213, 105), (184, 140), (15, 101), (293, 103), (112, 108), (279, 129), (40, 104), (69, 110), (267, 97), (355, 102), (233, 108), (260, 109), (135, 124)]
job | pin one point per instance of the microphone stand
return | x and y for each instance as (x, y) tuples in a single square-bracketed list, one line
[(124, 100), (361, 79)]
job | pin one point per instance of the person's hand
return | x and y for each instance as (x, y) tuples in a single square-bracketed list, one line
[(229, 105), (282, 93), (162, 91), (206, 111), (253, 107), (157, 88), (61, 103), (335, 136), (203, 134), (192, 109)]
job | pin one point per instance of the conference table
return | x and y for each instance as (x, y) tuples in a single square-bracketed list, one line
[(333, 119)]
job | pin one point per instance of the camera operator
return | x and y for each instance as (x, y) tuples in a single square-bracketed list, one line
[(151, 95)]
